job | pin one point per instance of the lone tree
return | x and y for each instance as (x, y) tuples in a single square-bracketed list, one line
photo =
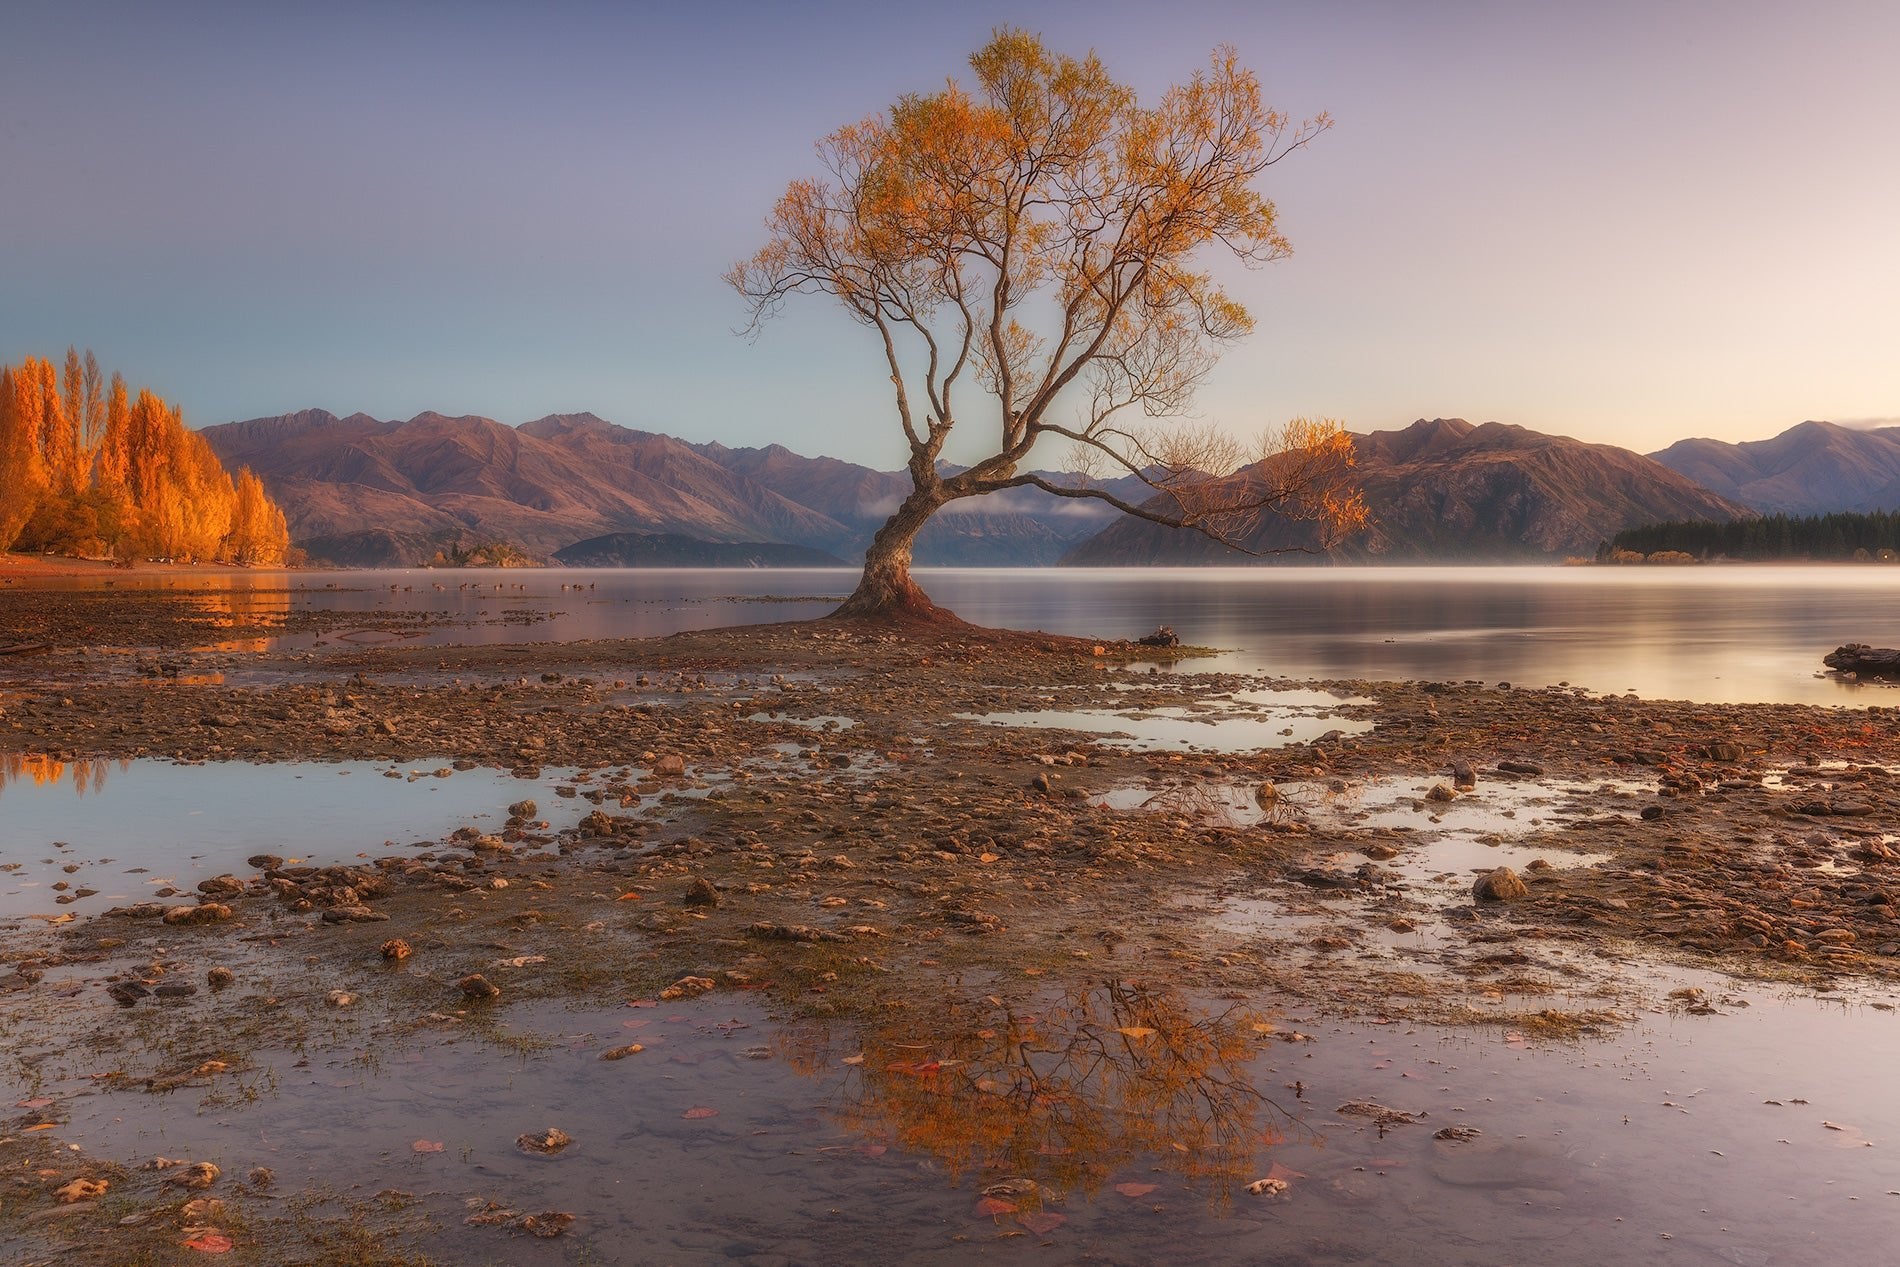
[(1035, 239)]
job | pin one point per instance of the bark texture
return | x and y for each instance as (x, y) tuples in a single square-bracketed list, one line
[(886, 590)]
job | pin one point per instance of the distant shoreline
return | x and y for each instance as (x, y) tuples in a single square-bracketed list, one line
[(54, 567)]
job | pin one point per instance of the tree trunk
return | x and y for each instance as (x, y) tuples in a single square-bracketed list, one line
[(885, 591)]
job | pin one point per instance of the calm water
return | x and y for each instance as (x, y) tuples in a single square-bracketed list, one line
[(118, 831), (1752, 1138), (1713, 634)]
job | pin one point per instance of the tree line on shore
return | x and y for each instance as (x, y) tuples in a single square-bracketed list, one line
[(1844, 535), (89, 469)]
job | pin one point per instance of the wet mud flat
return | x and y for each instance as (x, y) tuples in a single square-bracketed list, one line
[(797, 945)]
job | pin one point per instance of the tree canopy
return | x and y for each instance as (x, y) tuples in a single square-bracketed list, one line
[(1029, 250)]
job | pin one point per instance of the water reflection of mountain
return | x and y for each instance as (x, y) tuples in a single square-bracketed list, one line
[(1061, 1092)]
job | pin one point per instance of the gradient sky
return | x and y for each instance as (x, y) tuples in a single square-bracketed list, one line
[(1625, 222)]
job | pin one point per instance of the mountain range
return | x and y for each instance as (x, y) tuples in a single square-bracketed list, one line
[(1809, 469), (359, 491)]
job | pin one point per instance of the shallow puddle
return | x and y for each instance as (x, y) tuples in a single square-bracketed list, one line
[(124, 829), (1110, 1124), (821, 722), (1179, 729)]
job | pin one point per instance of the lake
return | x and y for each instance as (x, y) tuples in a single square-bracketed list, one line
[(1717, 634)]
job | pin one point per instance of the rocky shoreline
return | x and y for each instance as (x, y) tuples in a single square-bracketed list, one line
[(823, 818)]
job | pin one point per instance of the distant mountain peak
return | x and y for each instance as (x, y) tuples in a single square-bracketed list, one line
[(1812, 468)]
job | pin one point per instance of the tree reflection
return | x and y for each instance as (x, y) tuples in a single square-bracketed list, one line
[(1067, 1093), (237, 606), (88, 776)]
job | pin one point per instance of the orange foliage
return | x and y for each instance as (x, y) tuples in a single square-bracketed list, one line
[(82, 475)]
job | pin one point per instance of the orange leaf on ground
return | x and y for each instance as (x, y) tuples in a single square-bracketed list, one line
[(426, 1146), (628, 897), (210, 1243), (1132, 1190), (873, 1150), (47, 1126), (698, 1111), (1043, 1221), (993, 1206)]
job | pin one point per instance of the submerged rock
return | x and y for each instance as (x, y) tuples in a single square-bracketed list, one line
[(546, 1144)]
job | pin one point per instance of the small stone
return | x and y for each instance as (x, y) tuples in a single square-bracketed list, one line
[(547, 1225), (220, 978), (176, 990), (1501, 885), (395, 949), (687, 987), (262, 1177), (477, 988), (202, 1211), (208, 913), (1651, 813), (196, 1177), (523, 809), (1440, 793), (1530, 768), (546, 1144), (702, 893), (339, 998), (126, 993), (353, 913), (81, 1190), (672, 765)]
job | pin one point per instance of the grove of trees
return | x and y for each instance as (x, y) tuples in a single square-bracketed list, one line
[(88, 469), (1840, 536)]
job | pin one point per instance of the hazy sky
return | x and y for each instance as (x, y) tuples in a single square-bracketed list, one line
[(1624, 222)]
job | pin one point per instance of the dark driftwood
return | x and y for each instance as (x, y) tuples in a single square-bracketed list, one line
[(1858, 657), (24, 648)]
